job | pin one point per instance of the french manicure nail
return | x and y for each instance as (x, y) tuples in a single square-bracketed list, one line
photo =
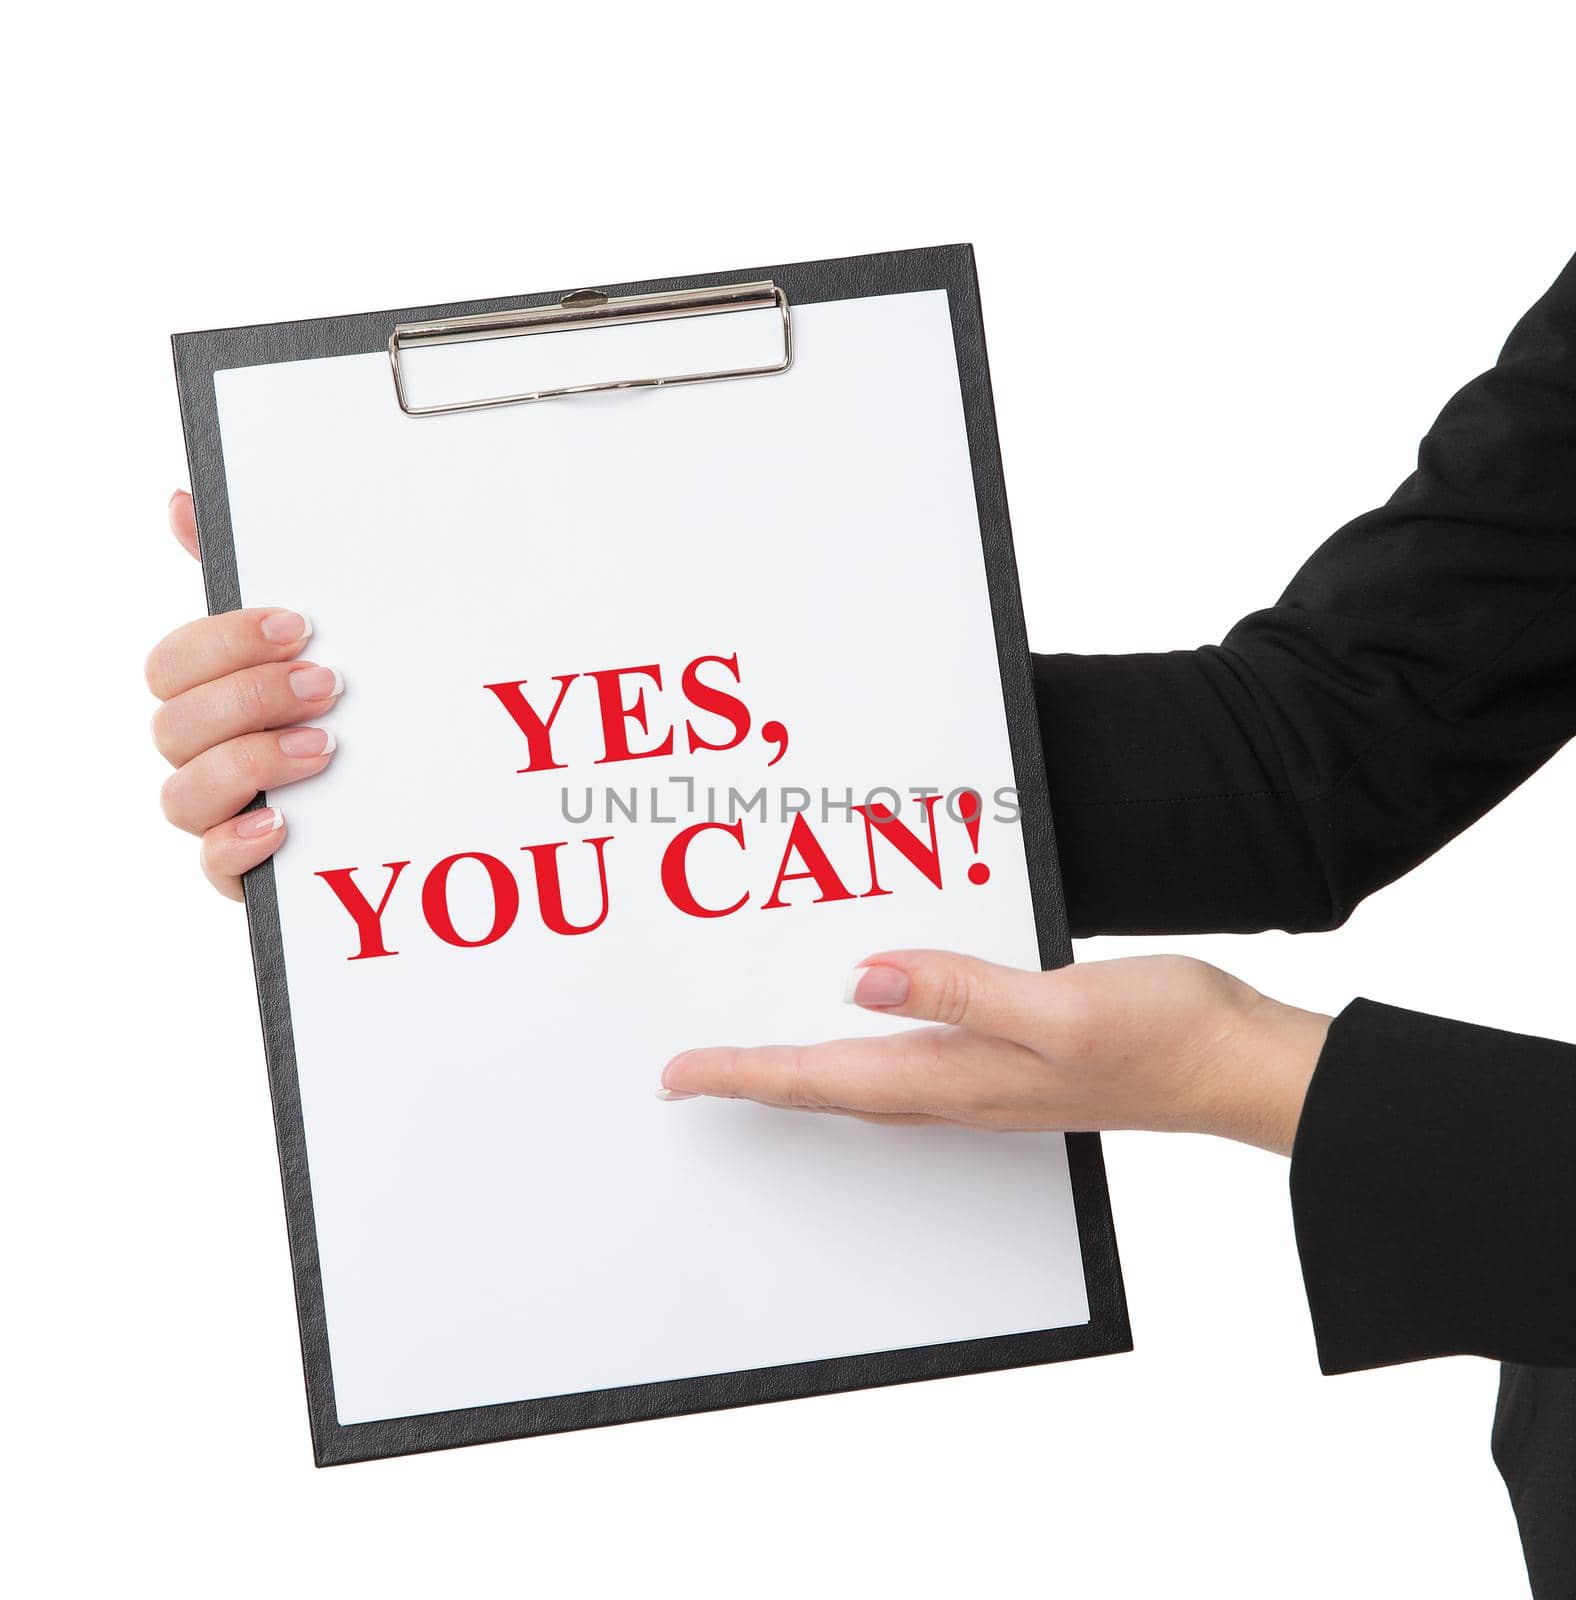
[(286, 627), (256, 823), (876, 986), (663, 1091), (308, 742), (316, 683)]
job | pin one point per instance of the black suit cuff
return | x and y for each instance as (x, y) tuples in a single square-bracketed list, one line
[(1433, 1187)]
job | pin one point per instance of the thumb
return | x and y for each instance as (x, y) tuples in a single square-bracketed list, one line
[(940, 986), (183, 521)]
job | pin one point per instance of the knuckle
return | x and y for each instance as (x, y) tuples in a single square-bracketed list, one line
[(159, 727), (793, 1078), (171, 800), (244, 759), (153, 671), (249, 699), (236, 642), (796, 1079), (227, 883), (217, 848), (954, 995)]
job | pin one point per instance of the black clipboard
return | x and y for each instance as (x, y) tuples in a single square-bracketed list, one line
[(198, 357)]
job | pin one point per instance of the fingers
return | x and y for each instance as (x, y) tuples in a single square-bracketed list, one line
[(974, 1068), (216, 783), (273, 696), (239, 844), (959, 991), (845, 1074), (910, 1075), (183, 521), (215, 646), (225, 681)]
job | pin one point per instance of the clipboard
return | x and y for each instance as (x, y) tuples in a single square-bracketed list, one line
[(777, 488)]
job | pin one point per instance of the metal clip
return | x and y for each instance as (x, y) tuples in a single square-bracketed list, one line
[(591, 308)]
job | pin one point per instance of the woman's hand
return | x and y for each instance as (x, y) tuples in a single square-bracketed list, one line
[(1161, 1042), (233, 694)]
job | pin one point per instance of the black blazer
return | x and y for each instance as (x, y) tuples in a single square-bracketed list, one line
[(1419, 667)]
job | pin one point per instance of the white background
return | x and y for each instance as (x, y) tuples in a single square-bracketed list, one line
[(1233, 260)]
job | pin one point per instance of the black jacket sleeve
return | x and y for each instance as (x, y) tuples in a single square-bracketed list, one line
[(1434, 1191), (1419, 667)]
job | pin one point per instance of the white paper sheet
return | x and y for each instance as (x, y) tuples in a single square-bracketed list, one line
[(504, 1208)]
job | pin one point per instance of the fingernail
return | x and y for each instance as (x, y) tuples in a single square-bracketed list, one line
[(316, 683), (308, 742), (286, 627), (663, 1091), (256, 823), (876, 986)]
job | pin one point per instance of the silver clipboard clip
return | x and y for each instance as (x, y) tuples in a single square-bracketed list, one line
[(591, 308)]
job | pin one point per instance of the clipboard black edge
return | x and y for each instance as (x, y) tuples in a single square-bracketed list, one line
[(198, 356)]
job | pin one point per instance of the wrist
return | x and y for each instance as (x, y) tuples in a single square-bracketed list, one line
[(1270, 1058)]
